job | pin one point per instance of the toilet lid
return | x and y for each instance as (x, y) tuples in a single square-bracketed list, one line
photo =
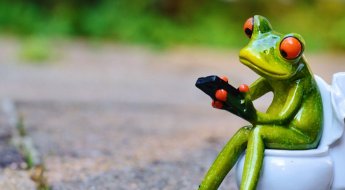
[(338, 95)]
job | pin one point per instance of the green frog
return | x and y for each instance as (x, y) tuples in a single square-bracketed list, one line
[(293, 121)]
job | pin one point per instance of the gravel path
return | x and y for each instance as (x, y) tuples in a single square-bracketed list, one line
[(118, 117)]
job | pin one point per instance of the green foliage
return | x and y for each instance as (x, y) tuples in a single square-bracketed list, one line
[(36, 50), (21, 127), (165, 23)]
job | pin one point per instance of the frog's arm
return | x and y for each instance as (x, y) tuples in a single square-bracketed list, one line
[(293, 102), (259, 88)]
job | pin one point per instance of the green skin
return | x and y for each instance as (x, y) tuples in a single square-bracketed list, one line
[(293, 121)]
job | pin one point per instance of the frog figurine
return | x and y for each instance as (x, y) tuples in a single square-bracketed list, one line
[(293, 121)]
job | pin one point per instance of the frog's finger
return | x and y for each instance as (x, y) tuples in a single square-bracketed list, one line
[(225, 78), (221, 95), (243, 88), (217, 104)]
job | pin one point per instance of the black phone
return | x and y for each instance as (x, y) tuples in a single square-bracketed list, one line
[(235, 103), (211, 84)]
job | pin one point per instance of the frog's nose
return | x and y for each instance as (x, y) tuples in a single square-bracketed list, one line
[(247, 54), (243, 52)]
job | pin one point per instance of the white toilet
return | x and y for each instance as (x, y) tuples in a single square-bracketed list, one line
[(316, 169)]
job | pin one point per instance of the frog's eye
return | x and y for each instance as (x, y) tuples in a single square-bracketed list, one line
[(290, 47), (248, 27)]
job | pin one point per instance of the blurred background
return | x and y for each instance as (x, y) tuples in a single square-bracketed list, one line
[(100, 94), (167, 23)]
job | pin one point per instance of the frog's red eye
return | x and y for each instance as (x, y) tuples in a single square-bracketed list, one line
[(248, 27), (290, 48)]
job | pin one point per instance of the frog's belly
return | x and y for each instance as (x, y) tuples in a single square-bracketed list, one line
[(297, 170)]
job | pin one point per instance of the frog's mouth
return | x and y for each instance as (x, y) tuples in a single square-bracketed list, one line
[(262, 70)]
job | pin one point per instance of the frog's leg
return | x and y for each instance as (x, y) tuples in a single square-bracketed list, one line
[(269, 136), (226, 159)]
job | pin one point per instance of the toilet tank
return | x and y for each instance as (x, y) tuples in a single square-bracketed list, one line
[(337, 149)]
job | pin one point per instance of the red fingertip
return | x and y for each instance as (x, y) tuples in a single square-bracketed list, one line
[(224, 78), (217, 104), (243, 88), (221, 95)]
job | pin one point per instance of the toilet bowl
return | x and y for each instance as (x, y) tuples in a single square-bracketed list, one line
[(309, 170), (306, 169)]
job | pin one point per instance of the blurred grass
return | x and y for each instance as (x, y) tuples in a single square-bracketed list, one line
[(36, 50), (167, 23)]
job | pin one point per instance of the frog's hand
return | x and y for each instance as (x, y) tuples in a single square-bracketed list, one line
[(227, 97), (242, 107)]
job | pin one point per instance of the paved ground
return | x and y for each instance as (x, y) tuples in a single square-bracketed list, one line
[(118, 117)]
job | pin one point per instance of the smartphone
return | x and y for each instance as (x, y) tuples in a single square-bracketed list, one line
[(235, 103), (211, 84)]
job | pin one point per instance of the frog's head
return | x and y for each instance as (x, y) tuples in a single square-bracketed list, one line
[(270, 54)]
